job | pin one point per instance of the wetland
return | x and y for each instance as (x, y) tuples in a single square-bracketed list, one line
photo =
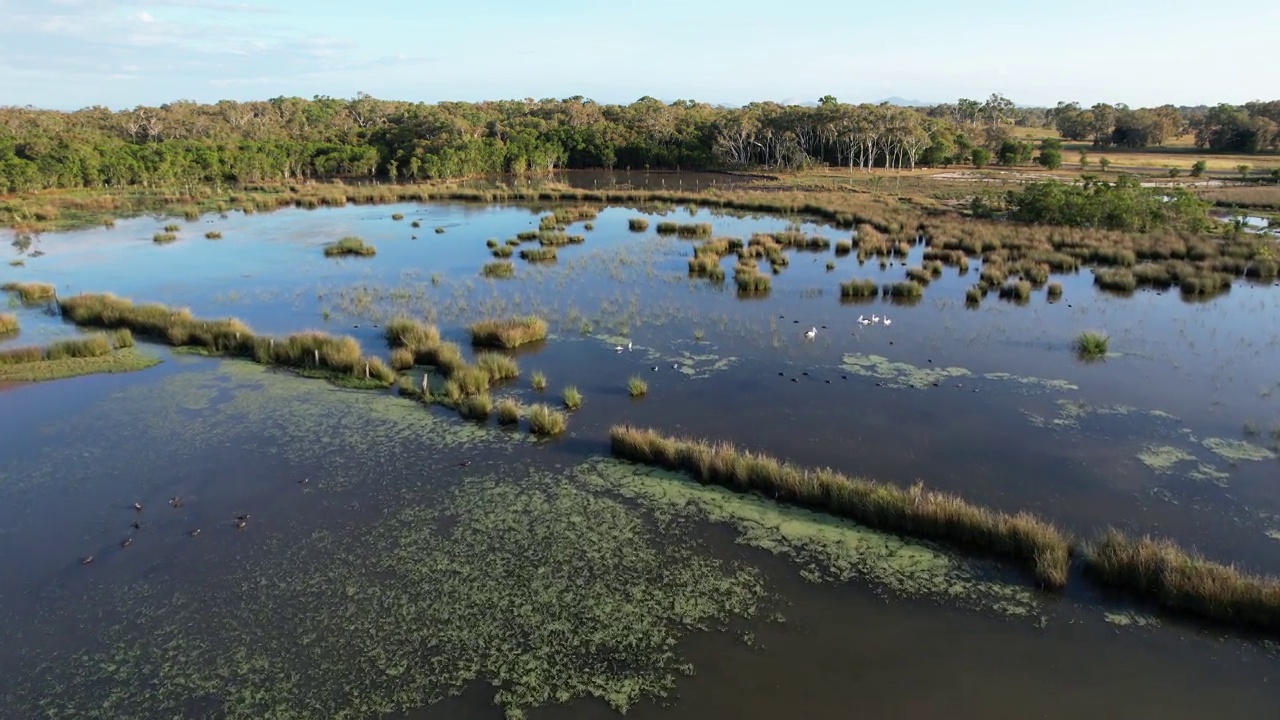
[(440, 522)]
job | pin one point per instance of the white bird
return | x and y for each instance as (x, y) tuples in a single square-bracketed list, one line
[(862, 319), (628, 346), (887, 322), (875, 318), (810, 333), (617, 348)]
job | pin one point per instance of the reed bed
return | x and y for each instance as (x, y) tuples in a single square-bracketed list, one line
[(539, 254), (508, 411), (503, 251), (91, 346), (1034, 543), (350, 246), (859, 289), (546, 420), (508, 332), (1184, 582), (8, 324), (500, 270), (476, 407), (30, 293)]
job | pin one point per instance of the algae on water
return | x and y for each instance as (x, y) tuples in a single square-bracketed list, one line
[(905, 375), (1236, 450), (1163, 458)]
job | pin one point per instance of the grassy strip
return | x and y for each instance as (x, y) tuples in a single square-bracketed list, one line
[(1039, 545), (30, 292), (313, 353), (119, 361), (1184, 582)]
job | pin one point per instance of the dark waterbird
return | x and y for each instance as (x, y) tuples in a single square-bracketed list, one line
[(136, 525), (176, 501)]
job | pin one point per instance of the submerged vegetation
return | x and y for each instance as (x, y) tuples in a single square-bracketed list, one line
[(349, 246), (1042, 547)]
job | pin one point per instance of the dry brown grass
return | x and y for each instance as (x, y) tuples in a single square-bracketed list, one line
[(508, 332)]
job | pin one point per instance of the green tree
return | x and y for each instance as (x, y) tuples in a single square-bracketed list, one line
[(980, 157), (1104, 163), (1198, 168), (1244, 171), (1050, 153)]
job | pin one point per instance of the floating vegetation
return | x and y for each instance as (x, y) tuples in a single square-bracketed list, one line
[(1038, 545), (827, 548), (1164, 458), (508, 332), (1208, 473), (1236, 450), (1045, 383), (1183, 581), (900, 374), (349, 246), (30, 293)]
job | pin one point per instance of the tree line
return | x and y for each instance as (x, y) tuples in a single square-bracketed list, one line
[(185, 144)]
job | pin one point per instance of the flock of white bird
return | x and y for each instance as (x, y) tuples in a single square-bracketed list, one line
[(812, 332)]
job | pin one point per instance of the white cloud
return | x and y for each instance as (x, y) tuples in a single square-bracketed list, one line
[(145, 17)]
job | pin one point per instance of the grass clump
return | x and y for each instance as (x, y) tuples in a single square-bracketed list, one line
[(172, 228), (497, 366), (859, 289), (502, 251), (349, 246), (636, 386), (415, 224), (572, 397), (1035, 543), (1183, 581), (8, 323), (508, 332), (397, 216), (539, 254), (439, 231), (539, 381), (638, 224), (30, 293), (1092, 344), (1055, 290), (213, 235), (164, 238), (500, 270), (508, 411), (909, 289), (1115, 279), (975, 294), (401, 359), (1019, 291), (476, 407), (546, 420)]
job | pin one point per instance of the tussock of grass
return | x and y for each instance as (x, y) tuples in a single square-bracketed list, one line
[(476, 407), (1055, 290), (1037, 544), (919, 275), (402, 359), (974, 294), (907, 289), (1092, 344), (844, 247), (31, 292), (546, 420), (859, 289), (638, 224), (572, 398), (172, 228), (397, 216), (213, 235), (749, 279), (539, 381), (1183, 581), (349, 246), (439, 231), (502, 251), (508, 411), (1115, 279), (8, 323), (164, 238), (497, 366), (500, 270), (636, 386), (539, 254), (508, 332), (1019, 291)]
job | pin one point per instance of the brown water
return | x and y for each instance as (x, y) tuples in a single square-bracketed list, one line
[(75, 455)]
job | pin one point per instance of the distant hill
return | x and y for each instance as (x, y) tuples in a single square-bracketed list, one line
[(904, 102)]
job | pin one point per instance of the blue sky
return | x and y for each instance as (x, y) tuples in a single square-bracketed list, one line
[(73, 53)]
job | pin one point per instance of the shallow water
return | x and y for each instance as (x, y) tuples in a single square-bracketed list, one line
[(1015, 421)]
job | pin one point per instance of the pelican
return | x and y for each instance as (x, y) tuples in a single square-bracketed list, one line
[(628, 346), (875, 318), (617, 348), (887, 322), (862, 319), (810, 333)]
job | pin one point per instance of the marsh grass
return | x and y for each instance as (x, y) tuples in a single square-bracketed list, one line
[(636, 386), (503, 251), (8, 324), (213, 235), (539, 254), (1054, 291), (975, 294), (638, 224), (397, 216), (1019, 291), (1183, 581), (172, 228), (439, 231), (1092, 344), (164, 238), (415, 224), (500, 270), (401, 359), (906, 290), (349, 246), (508, 332), (539, 381), (1121, 280), (859, 289), (497, 366), (919, 275), (508, 411), (572, 398), (1035, 543), (749, 279), (546, 420), (476, 407)]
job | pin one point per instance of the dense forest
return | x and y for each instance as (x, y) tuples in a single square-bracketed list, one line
[(185, 144)]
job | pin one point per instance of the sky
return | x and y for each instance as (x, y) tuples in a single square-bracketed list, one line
[(69, 54)]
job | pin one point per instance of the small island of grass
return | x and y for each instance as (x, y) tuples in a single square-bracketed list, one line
[(350, 246)]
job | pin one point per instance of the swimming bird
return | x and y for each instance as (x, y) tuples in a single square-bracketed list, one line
[(875, 318), (887, 322), (195, 532), (136, 525), (809, 335), (240, 524), (86, 559), (628, 346), (137, 507), (862, 319), (617, 348), (303, 481), (176, 501), (126, 542), (242, 518)]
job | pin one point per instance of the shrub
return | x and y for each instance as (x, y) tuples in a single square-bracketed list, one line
[(636, 386), (546, 420)]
